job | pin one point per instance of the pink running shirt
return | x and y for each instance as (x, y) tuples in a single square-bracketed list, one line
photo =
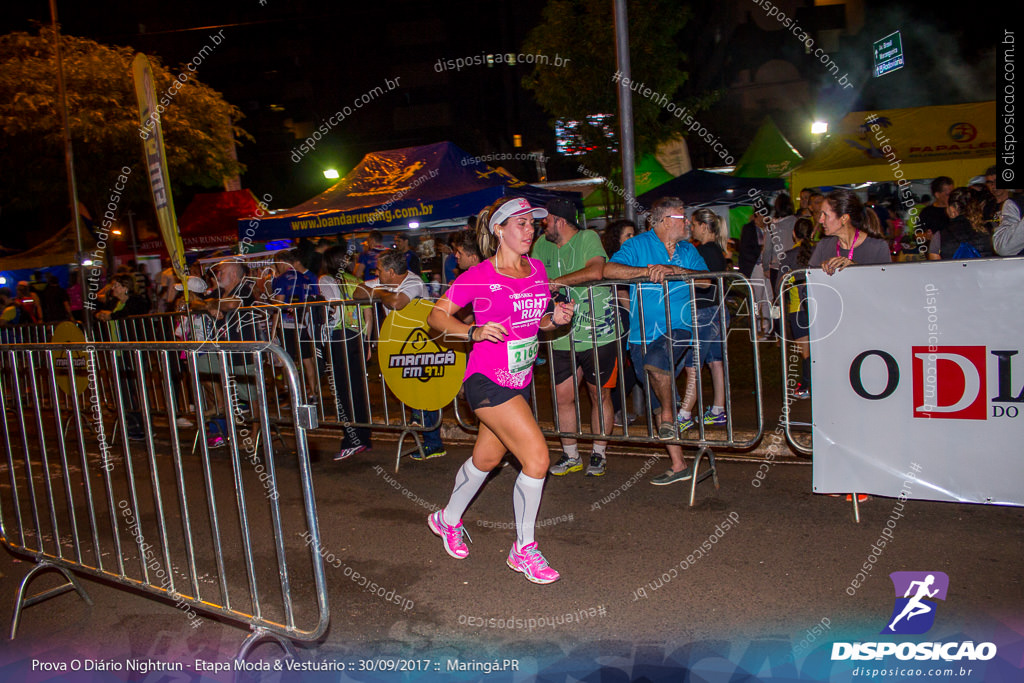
[(516, 303)]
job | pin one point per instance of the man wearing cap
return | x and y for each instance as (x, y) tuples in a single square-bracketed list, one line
[(572, 256), (654, 255), (396, 289)]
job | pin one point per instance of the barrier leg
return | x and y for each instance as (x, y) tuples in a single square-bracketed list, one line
[(401, 440), (856, 508), (21, 601), (252, 640), (712, 471)]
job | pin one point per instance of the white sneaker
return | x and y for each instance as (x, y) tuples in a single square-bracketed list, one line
[(184, 422)]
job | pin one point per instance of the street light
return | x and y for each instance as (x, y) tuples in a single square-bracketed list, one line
[(818, 131), (332, 174)]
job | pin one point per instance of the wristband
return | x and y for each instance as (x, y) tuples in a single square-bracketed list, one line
[(469, 335)]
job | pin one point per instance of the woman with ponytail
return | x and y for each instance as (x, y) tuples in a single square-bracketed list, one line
[(709, 231), (510, 294)]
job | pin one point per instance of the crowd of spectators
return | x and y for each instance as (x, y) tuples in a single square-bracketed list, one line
[(831, 232)]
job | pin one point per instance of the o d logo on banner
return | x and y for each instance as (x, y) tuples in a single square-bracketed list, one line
[(416, 369), (949, 382)]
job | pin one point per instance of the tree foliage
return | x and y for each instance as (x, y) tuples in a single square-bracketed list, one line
[(199, 126), (584, 31)]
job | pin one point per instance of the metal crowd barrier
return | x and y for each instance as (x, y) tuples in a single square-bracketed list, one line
[(329, 361), (790, 361), (103, 485), (338, 375)]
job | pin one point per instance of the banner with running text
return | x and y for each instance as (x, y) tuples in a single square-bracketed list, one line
[(156, 164), (918, 380)]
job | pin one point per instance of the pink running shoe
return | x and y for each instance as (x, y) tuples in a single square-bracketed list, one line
[(451, 535), (531, 563)]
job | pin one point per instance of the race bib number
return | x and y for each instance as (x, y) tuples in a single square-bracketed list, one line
[(521, 354)]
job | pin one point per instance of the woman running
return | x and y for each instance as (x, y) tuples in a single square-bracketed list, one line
[(510, 296)]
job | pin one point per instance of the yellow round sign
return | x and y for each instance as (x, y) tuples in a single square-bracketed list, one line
[(418, 370), (69, 333)]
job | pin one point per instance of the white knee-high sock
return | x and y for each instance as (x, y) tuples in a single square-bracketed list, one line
[(526, 503), (467, 482)]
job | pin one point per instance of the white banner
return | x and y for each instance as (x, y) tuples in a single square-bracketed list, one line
[(918, 380)]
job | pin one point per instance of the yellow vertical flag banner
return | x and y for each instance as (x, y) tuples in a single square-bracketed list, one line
[(156, 165)]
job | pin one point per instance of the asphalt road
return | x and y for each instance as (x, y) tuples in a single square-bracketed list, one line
[(650, 586)]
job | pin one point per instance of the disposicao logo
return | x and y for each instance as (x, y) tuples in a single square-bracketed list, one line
[(914, 613), (916, 592)]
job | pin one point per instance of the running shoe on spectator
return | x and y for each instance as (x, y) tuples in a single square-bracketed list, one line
[(349, 452), (216, 442), (685, 423), (597, 466), (450, 534), (801, 392), (184, 422), (428, 453), (671, 477), (713, 419), (565, 465), (529, 562)]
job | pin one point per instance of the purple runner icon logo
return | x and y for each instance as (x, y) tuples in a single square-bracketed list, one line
[(916, 593)]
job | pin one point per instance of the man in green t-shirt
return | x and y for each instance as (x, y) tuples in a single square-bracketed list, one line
[(573, 256)]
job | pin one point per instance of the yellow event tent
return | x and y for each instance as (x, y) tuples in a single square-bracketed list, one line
[(958, 141)]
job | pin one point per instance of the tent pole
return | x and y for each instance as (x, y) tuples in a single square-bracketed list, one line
[(625, 110), (69, 160)]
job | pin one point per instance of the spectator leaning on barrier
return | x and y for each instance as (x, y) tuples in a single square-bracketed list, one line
[(650, 255), (231, 318), (852, 235), (346, 326), (572, 256), (852, 238), (709, 230), (965, 235), (397, 287)]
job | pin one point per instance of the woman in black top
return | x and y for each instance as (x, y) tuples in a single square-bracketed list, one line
[(965, 229), (709, 231)]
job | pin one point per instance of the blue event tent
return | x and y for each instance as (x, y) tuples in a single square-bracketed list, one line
[(433, 185)]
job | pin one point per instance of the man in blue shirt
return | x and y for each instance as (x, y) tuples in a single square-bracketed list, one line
[(658, 347)]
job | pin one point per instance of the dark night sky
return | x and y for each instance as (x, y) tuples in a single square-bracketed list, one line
[(303, 60)]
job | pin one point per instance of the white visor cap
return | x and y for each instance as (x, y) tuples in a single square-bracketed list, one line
[(516, 207)]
